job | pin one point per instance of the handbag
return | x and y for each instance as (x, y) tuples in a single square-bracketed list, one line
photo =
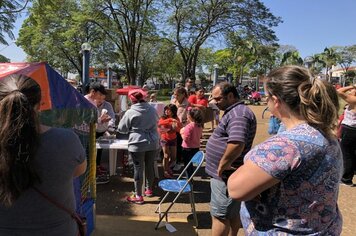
[(80, 220)]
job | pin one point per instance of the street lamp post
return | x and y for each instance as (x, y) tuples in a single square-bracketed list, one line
[(86, 56), (216, 74), (109, 75), (308, 61)]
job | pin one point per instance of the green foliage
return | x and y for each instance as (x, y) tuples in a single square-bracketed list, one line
[(4, 59), (164, 92), (190, 23), (55, 31), (349, 76), (330, 58), (126, 23), (9, 12), (291, 58)]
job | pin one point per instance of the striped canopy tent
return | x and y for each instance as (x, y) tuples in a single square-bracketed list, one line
[(61, 105)]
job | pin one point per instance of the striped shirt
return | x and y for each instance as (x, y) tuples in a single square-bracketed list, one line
[(237, 124)]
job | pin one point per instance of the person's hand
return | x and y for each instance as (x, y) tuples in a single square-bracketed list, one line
[(174, 125), (181, 131), (104, 118), (222, 168)]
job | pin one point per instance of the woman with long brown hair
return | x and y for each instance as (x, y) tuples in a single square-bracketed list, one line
[(34, 156), (290, 182)]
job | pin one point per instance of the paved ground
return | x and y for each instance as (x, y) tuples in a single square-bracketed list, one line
[(116, 217)]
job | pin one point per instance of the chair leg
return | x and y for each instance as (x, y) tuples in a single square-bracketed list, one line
[(161, 202), (193, 208), (165, 214)]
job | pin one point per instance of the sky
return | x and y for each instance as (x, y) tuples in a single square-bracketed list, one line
[(308, 25)]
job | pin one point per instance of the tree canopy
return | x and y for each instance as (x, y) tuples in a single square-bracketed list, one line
[(188, 24), (9, 12)]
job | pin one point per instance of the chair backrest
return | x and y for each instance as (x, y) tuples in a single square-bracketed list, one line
[(197, 158), (197, 161)]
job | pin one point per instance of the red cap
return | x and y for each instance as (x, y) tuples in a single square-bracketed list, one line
[(137, 95)]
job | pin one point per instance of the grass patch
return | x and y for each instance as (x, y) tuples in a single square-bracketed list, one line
[(164, 99)]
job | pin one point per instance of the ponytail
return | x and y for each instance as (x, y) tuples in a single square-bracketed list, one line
[(19, 137), (319, 105), (314, 99)]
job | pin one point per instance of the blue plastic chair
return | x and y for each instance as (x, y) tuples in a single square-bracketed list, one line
[(183, 184)]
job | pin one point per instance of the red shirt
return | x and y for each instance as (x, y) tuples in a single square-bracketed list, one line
[(193, 99), (166, 130)]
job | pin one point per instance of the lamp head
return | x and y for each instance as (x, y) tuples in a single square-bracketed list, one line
[(86, 47)]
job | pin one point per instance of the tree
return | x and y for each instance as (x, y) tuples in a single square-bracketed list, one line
[(4, 59), (167, 64), (346, 56), (188, 24), (244, 48), (330, 58), (9, 11), (291, 58), (55, 31), (126, 23), (315, 63), (350, 75), (266, 59)]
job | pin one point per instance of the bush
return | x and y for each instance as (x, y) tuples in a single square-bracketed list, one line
[(164, 92)]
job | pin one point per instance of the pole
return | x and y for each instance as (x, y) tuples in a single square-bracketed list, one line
[(109, 77), (86, 56), (215, 75)]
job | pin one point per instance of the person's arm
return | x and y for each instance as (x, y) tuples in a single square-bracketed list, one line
[(249, 181), (233, 151), (186, 133), (198, 106), (80, 169), (124, 125), (111, 113), (178, 125), (345, 95)]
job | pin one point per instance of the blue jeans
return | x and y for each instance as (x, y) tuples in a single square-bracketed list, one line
[(143, 160)]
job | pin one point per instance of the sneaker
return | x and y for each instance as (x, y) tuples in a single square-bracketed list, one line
[(102, 179), (148, 193), (101, 170), (347, 183), (134, 199)]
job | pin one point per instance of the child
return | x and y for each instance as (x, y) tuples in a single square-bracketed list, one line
[(191, 135), (216, 115), (168, 126), (153, 97)]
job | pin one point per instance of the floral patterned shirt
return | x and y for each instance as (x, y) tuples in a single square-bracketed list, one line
[(309, 168)]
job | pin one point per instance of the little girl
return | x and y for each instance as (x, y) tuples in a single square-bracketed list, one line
[(191, 135), (168, 126)]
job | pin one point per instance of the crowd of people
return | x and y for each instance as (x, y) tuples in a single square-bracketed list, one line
[(287, 184)]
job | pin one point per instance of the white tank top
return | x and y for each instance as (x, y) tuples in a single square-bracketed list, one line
[(349, 118)]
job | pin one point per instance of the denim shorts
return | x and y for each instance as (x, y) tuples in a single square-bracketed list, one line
[(221, 206)]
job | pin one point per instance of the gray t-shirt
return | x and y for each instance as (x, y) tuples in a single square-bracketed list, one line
[(60, 152)]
